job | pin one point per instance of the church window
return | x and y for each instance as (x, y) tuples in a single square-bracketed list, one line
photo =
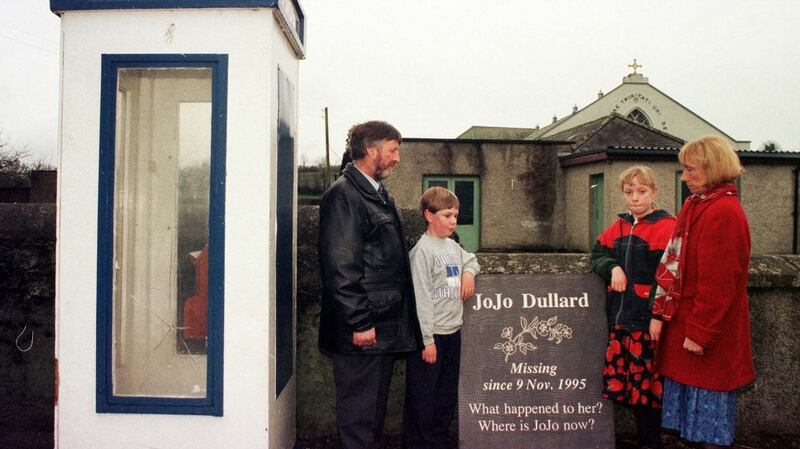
[(639, 116)]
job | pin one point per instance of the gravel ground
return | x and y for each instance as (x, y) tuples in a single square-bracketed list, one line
[(32, 439), (623, 442)]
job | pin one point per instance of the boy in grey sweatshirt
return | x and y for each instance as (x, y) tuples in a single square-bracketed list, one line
[(444, 276)]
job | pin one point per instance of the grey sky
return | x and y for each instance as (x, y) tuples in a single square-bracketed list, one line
[(435, 67), (29, 45)]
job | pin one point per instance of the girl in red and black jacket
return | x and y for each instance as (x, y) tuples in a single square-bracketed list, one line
[(626, 255)]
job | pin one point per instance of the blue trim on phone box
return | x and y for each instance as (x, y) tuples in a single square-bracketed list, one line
[(285, 263), (159, 406), (75, 5), (80, 5), (106, 402)]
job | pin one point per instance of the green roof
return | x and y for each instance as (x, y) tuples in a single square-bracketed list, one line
[(496, 132)]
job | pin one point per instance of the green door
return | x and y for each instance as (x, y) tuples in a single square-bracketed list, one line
[(596, 189), (467, 189)]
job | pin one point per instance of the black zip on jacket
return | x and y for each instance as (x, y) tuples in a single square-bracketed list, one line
[(366, 274), (637, 248)]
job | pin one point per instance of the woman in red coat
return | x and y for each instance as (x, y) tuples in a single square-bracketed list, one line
[(704, 353)]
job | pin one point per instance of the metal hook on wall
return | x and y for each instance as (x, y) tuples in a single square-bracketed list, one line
[(16, 342)]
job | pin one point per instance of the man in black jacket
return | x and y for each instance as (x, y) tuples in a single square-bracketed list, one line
[(368, 313)]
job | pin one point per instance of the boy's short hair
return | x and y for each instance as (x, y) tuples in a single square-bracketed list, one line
[(437, 198), (714, 155), (643, 173)]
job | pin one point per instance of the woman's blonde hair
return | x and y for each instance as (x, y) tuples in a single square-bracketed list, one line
[(714, 155), (643, 173)]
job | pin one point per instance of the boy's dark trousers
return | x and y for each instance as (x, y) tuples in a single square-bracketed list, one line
[(431, 394), (362, 388)]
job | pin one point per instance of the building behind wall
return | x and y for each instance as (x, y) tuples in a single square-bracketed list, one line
[(768, 191), (509, 189), (539, 196), (556, 187)]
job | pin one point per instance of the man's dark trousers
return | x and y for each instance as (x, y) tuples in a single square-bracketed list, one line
[(362, 389), (432, 394)]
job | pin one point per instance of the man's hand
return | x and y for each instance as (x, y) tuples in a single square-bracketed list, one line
[(366, 338), (467, 285), (429, 354), (692, 347), (618, 279)]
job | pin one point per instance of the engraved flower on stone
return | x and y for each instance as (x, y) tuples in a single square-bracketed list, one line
[(508, 348), (545, 328)]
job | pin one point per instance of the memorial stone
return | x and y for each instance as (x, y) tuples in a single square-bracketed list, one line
[(532, 363)]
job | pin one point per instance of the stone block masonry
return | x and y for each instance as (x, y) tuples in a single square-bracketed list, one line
[(27, 254), (27, 316), (768, 406)]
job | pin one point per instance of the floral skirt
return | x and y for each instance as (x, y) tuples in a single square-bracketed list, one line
[(628, 377), (700, 415)]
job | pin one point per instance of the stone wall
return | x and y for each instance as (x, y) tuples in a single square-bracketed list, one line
[(767, 406), (36, 186), (27, 304), (27, 315)]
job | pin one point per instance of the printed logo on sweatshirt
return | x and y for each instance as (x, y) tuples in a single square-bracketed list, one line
[(446, 259), (453, 278), (446, 293), (450, 264)]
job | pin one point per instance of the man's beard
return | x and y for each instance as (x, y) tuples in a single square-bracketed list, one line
[(382, 173)]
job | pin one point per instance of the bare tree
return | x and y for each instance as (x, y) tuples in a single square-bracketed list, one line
[(13, 159)]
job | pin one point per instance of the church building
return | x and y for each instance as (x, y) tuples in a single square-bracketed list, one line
[(635, 99), (555, 188)]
